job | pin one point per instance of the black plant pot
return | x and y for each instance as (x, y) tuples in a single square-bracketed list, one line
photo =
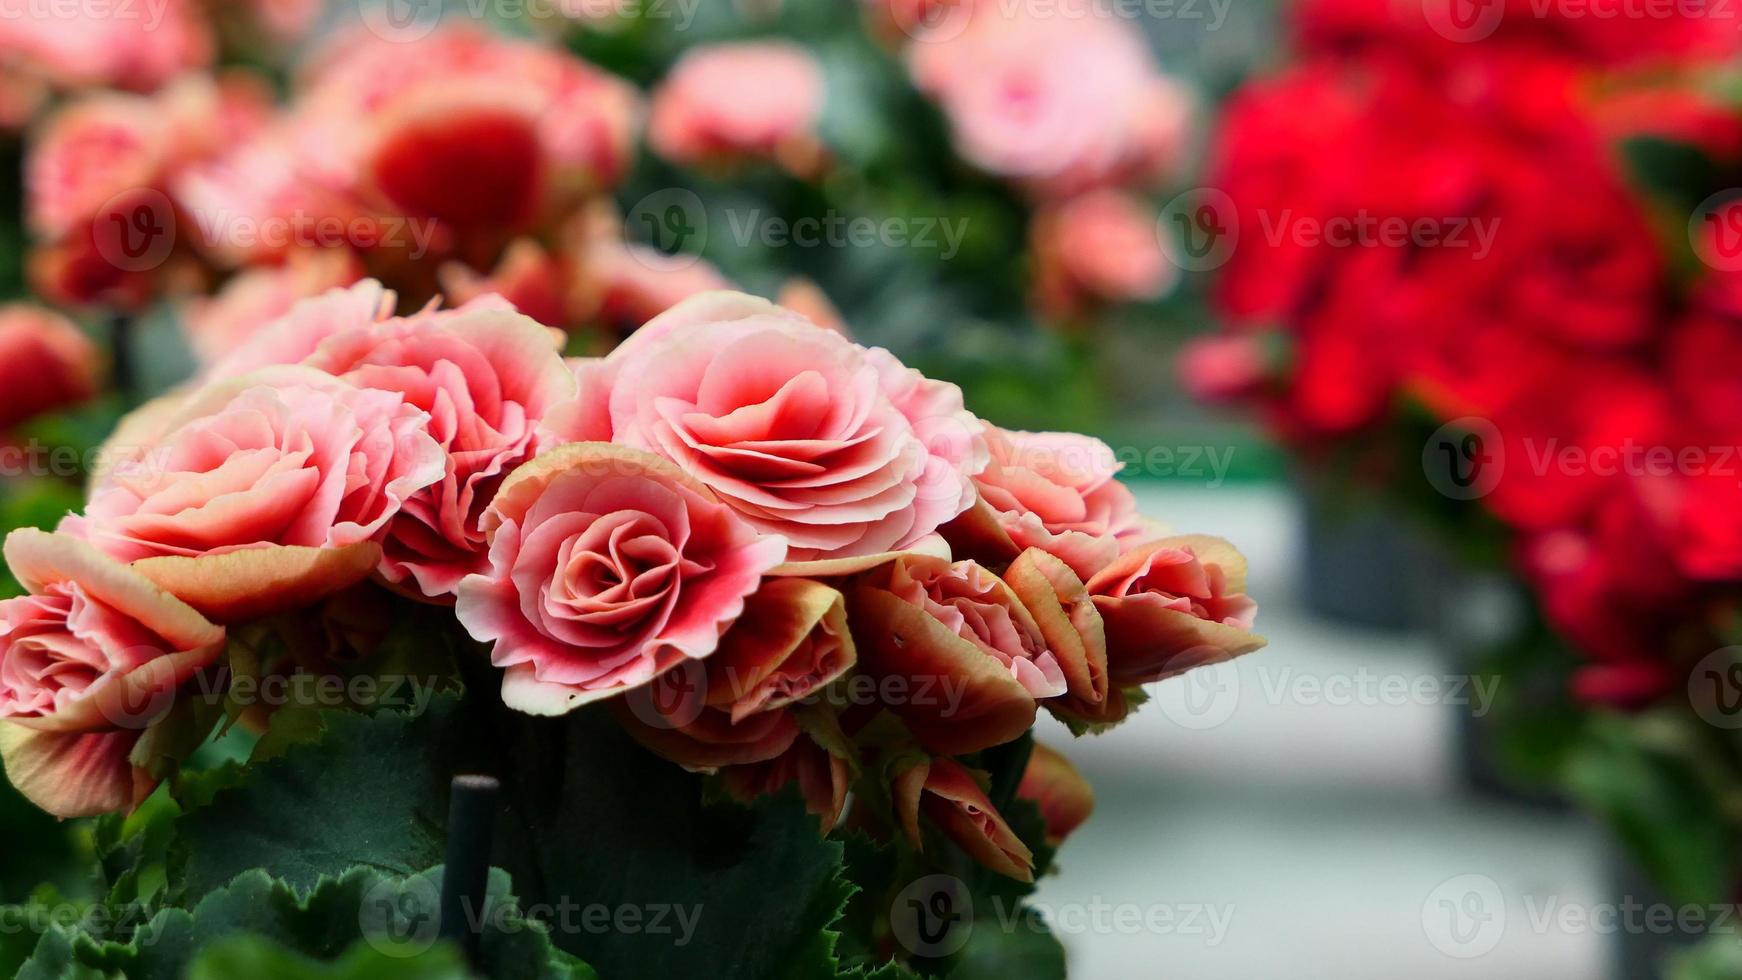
[(1365, 565), (1479, 617), (1642, 953)]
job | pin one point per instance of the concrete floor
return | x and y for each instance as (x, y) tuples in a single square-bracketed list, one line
[(1295, 815)]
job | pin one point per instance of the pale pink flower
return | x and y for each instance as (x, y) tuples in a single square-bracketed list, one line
[(753, 99), (1060, 101), (1099, 247)]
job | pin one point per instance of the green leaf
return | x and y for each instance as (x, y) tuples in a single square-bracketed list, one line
[(618, 850), (371, 791), (1681, 173), (392, 916), (597, 822), (1023, 950), (259, 959), (1643, 774), (1719, 957)]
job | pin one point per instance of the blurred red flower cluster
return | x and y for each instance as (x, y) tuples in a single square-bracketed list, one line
[(1445, 209)]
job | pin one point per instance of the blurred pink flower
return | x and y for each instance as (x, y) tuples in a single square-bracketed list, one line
[(756, 99), (136, 46), (1100, 247), (45, 363), (216, 325), (1223, 368), (113, 160), (1060, 102), (364, 96)]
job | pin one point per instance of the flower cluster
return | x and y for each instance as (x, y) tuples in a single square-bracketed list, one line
[(49, 49), (1454, 233), (1067, 103), (774, 553), (461, 162)]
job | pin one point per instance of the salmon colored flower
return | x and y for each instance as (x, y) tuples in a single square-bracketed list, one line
[(217, 325), (946, 792), (711, 739), (1055, 491), (485, 378), (1060, 101), (972, 660), (791, 641), (608, 567), (88, 659), (1099, 247), (1173, 605), (266, 492), (822, 777), (1063, 795), (838, 448)]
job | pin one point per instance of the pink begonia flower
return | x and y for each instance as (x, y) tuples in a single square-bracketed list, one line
[(608, 567)]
